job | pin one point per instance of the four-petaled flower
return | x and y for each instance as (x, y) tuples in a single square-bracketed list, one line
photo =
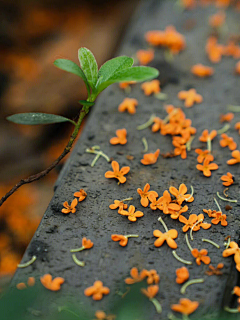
[(207, 167), (120, 138), (185, 306), (164, 203), (182, 275), (81, 194), (217, 19), (145, 56), (152, 276), (87, 243), (51, 284), (215, 271), (118, 204), (189, 223), (236, 157), (226, 117), (201, 256), (207, 136), (228, 179), (131, 214), (70, 208), (227, 142), (145, 193), (122, 239), (151, 87), (96, 291), (158, 123), (233, 249), (203, 154), (191, 96), (150, 158), (167, 236), (116, 173), (181, 194), (129, 105), (136, 276), (202, 71), (151, 291), (176, 214)]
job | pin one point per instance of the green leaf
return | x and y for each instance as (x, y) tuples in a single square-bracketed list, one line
[(89, 65), (72, 67), (36, 118), (109, 68), (137, 74), (86, 103)]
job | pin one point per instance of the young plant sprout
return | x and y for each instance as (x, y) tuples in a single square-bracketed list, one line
[(116, 70)]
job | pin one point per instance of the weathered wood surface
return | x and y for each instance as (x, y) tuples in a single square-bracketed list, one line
[(107, 261)]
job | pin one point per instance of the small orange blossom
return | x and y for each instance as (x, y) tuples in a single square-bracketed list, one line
[(145, 194), (150, 158), (207, 167), (96, 291), (116, 173), (151, 87), (236, 157), (120, 138), (201, 256), (145, 56), (129, 105), (131, 214), (182, 275), (51, 284), (185, 306), (202, 71), (81, 194), (70, 208), (228, 179), (191, 96), (167, 236)]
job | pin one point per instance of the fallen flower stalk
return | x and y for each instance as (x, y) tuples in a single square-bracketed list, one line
[(224, 199), (212, 242), (78, 262), (180, 259), (99, 153), (26, 264), (190, 282)]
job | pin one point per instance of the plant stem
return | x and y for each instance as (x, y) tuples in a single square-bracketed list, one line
[(180, 259), (224, 199), (78, 249), (188, 244), (184, 287), (146, 124), (231, 310), (217, 204), (192, 192), (24, 265), (209, 146), (212, 242), (191, 236), (224, 129), (156, 304), (43, 173), (145, 144), (163, 223), (78, 262)]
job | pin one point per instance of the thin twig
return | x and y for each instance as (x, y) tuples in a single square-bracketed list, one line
[(26, 264), (145, 144), (184, 287), (212, 242), (43, 173), (224, 199), (180, 259), (217, 204), (146, 124)]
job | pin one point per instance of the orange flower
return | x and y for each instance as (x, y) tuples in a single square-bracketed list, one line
[(101, 315), (189, 223), (118, 204), (234, 249), (81, 194), (211, 213), (167, 236), (237, 127), (219, 217), (131, 214), (163, 203), (151, 291), (116, 173), (157, 124), (207, 167), (181, 194), (125, 85), (136, 277), (201, 256), (150, 158), (151, 87), (202, 71), (228, 179), (201, 224), (120, 138), (214, 50), (31, 281), (169, 38), (185, 306), (207, 136), (145, 56), (232, 50), (152, 276), (182, 275), (203, 155), (190, 97), (237, 68), (70, 208), (227, 142), (226, 117), (129, 105), (188, 4), (21, 286), (180, 148), (215, 271), (51, 284), (176, 214), (145, 194), (122, 239), (217, 20), (87, 243), (236, 156), (96, 291), (236, 290)]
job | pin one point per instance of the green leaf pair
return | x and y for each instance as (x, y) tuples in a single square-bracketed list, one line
[(115, 70)]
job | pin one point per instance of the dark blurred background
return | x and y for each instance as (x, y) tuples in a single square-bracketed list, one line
[(32, 35)]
